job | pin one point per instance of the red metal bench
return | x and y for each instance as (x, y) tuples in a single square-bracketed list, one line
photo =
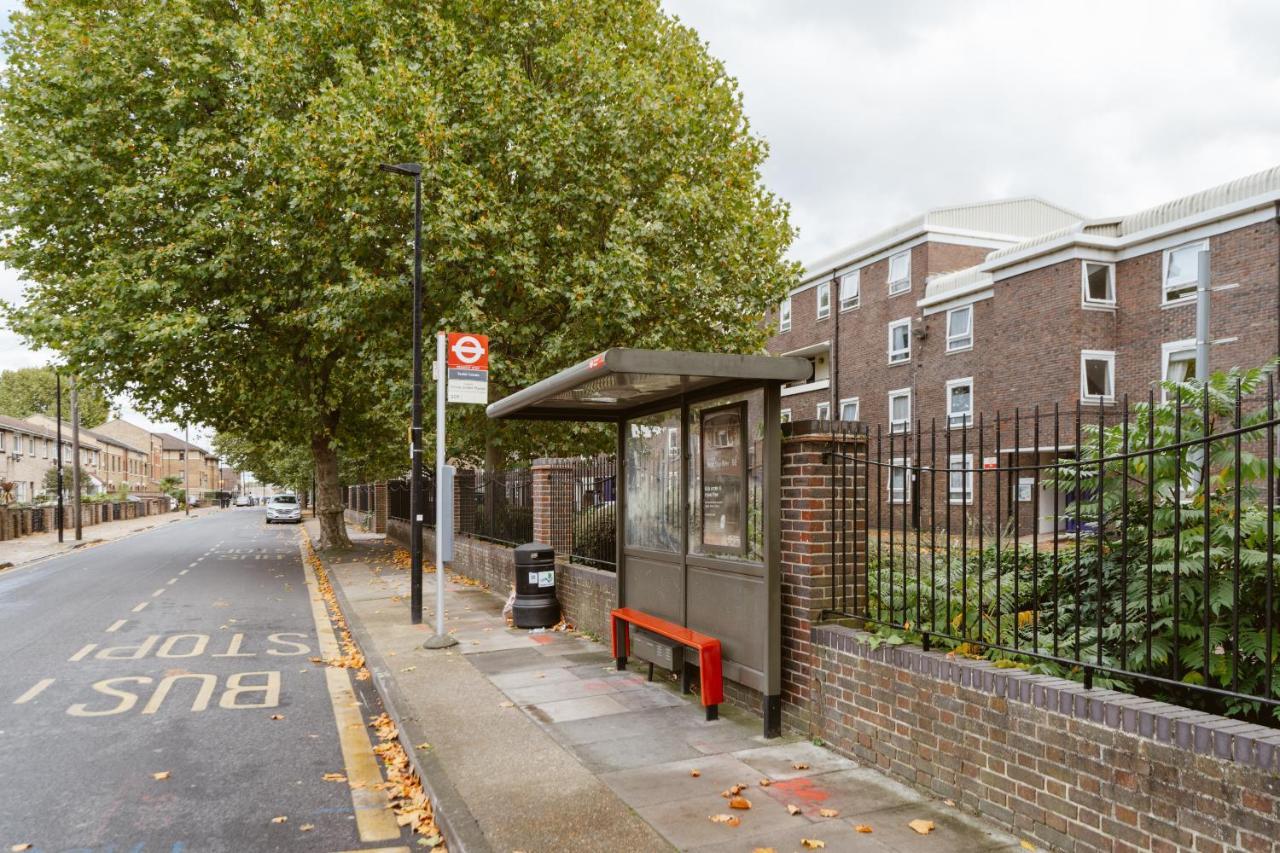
[(709, 674)]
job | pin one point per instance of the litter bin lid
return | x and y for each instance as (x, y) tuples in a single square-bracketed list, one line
[(533, 551)]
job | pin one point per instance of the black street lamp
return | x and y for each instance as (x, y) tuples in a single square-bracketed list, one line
[(415, 483)]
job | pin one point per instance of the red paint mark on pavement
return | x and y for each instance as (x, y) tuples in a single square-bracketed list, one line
[(801, 792), (540, 639)]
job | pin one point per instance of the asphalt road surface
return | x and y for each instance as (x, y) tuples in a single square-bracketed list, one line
[(170, 652)]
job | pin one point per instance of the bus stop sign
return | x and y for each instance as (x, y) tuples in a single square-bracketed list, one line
[(468, 368)]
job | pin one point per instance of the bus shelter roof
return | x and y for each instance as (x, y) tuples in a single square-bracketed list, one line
[(621, 383)]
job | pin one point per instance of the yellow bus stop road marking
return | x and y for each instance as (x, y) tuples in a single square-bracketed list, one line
[(33, 692), (380, 850), (374, 821)]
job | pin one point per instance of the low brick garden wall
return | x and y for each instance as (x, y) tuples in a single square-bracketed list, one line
[(25, 521), (586, 595), (1070, 768)]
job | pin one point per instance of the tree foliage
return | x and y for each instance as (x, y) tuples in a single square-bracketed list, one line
[(192, 188), (34, 391)]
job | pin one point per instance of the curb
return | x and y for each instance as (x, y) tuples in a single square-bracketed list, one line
[(461, 831)]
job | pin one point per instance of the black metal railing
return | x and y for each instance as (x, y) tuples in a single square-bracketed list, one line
[(1134, 550), (593, 530), (398, 499), (504, 506)]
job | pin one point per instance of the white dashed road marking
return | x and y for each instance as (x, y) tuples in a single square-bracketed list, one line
[(117, 625), (141, 607)]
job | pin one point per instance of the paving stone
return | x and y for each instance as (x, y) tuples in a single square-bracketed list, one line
[(603, 756), (777, 762), (850, 792), (531, 677), (954, 832), (509, 660), (574, 688), (576, 709), (838, 836), (655, 723), (661, 783), (686, 824)]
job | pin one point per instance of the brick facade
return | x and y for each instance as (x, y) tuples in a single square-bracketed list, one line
[(553, 504)]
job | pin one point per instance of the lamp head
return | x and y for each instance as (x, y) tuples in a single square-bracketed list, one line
[(413, 169)]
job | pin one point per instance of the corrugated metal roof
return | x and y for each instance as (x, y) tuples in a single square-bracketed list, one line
[(1259, 183), (953, 284), (1007, 219)]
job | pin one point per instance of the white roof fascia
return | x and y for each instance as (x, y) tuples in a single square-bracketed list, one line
[(1163, 238), (949, 236), (811, 349)]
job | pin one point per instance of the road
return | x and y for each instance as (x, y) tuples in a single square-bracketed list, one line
[(185, 650)]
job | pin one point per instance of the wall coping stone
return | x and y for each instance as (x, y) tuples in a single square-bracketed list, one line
[(1232, 740)]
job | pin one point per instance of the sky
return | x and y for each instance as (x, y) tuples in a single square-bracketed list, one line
[(876, 111)]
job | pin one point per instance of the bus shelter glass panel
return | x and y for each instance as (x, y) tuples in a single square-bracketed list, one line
[(726, 478), (653, 482)]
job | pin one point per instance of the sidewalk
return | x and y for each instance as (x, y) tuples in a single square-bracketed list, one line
[(41, 545), (533, 742)]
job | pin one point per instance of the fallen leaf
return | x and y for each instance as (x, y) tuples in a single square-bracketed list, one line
[(306, 827), (695, 773), (161, 776), (277, 716), (764, 783), (812, 844), (764, 850), (800, 765), (1026, 845), (409, 669), (280, 819), (862, 827), (793, 810), (18, 848), (726, 819), (423, 745), (506, 704), (334, 777), (829, 812), (949, 802), (924, 827), (740, 803)]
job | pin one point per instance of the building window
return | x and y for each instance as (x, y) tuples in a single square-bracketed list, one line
[(824, 300), (784, 315), (1181, 267), (900, 410), (960, 329), (1177, 363), (44, 449), (960, 479), (960, 402), (31, 445), (900, 341), (850, 290), (900, 273), (1099, 283), (899, 478), (1097, 376), (2, 435), (786, 416), (849, 409), (824, 412)]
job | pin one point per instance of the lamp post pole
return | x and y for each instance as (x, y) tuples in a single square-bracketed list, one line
[(414, 170), (58, 395)]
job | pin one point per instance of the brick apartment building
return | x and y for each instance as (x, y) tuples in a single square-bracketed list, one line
[(195, 467), (29, 448), (1008, 305)]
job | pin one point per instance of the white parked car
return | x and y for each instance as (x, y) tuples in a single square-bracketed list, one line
[(284, 508)]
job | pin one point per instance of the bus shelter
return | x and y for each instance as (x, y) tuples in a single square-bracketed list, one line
[(698, 491)]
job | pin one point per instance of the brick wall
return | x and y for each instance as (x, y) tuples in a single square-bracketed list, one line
[(1068, 768)]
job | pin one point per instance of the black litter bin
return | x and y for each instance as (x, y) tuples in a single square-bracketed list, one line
[(536, 605)]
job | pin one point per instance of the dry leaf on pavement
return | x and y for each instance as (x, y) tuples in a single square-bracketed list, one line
[(812, 844), (726, 819), (793, 810), (695, 773), (279, 819), (800, 765), (764, 783), (334, 777), (1026, 845), (862, 827), (506, 704), (739, 803), (161, 776), (949, 802), (764, 850), (277, 716), (423, 745), (18, 848), (306, 827), (829, 812), (924, 827)]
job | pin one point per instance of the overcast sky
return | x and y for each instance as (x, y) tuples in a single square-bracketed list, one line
[(875, 111)]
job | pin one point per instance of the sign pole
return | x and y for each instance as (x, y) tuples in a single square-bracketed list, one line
[(440, 640)]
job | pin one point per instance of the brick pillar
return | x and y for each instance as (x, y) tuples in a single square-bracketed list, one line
[(380, 507), (820, 571), (553, 504), (464, 500)]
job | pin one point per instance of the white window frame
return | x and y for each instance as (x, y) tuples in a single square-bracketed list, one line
[(1109, 357), (902, 356), (903, 424), (967, 416), (850, 301), (784, 315), (1085, 299), (952, 345), (1168, 349), (903, 464), (850, 401), (964, 495), (901, 284), (823, 412), (785, 416), (1200, 246), (824, 300)]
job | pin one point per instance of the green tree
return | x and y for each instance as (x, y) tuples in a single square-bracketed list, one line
[(50, 482), (192, 188), (34, 391)]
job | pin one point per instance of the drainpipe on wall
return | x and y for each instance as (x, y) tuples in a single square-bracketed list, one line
[(835, 348)]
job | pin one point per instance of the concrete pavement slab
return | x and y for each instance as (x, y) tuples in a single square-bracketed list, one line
[(838, 836), (779, 762), (576, 709), (687, 823), (954, 831), (674, 780)]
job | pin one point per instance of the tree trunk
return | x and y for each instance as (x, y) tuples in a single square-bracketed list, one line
[(333, 528)]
